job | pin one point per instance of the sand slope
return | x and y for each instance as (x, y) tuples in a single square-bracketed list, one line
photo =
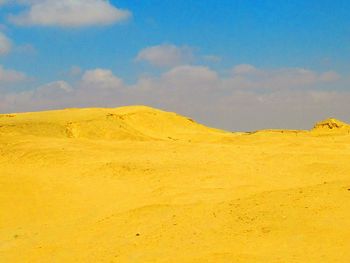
[(136, 184)]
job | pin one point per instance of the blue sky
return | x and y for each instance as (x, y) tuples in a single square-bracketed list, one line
[(267, 54)]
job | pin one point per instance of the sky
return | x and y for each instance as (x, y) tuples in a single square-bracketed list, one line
[(233, 64)]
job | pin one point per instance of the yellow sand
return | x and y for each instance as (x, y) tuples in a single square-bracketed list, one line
[(136, 184)]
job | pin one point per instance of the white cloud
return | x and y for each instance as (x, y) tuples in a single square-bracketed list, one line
[(166, 55), (190, 77), (5, 44), (11, 76), (244, 69), (56, 89), (69, 13), (100, 79), (248, 76)]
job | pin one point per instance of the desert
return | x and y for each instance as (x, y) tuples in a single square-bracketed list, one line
[(138, 184)]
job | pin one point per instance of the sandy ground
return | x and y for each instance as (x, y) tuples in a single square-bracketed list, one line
[(141, 185)]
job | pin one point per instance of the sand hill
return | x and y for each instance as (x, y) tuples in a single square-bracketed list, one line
[(138, 123), (137, 184)]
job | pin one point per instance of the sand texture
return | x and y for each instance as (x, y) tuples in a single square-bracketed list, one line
[(136, 184)]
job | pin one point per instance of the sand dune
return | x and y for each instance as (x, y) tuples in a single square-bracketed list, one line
[(137, 184), (137, 123)]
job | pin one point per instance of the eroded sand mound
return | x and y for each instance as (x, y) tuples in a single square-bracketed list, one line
[(126, 123), (331, 125)]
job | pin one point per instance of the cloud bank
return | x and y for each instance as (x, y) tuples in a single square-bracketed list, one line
[(247, 99)]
